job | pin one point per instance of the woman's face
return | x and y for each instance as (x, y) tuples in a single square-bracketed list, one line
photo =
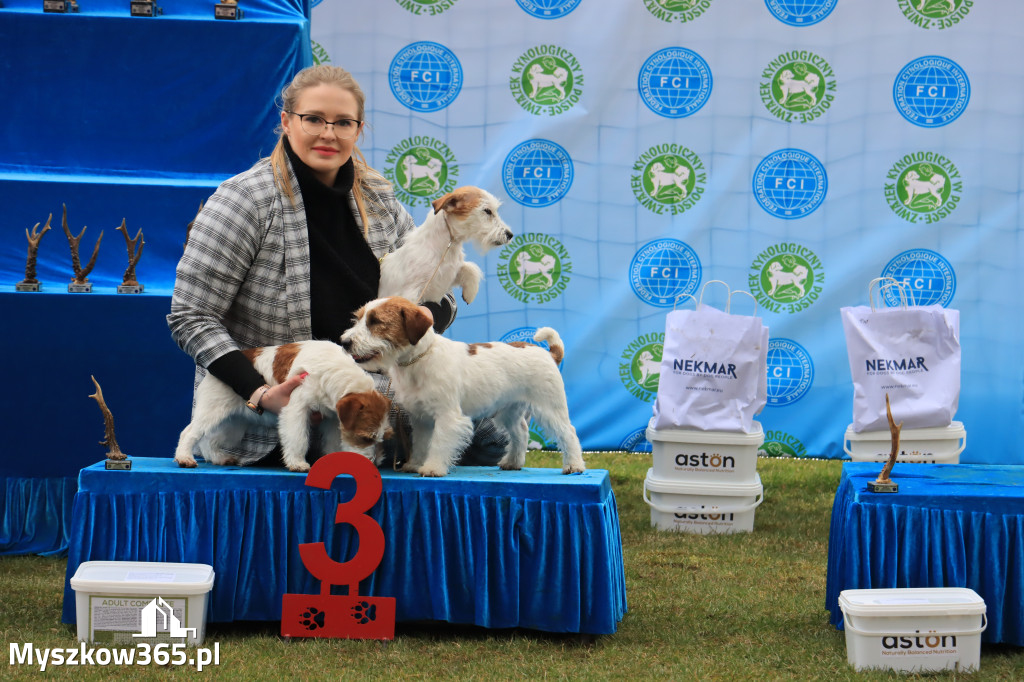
[(326, 152)]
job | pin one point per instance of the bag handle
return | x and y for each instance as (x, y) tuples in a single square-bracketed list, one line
[(889, 283), (728, 292), (696, 304), (745, 293)]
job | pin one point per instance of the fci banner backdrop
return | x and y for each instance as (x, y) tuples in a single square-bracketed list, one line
[(795, 149)]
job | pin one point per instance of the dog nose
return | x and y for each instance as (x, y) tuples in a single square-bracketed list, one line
[(508, 235)]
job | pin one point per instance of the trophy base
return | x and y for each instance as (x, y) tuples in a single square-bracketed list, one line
[(227, 11), (80, 288), (130, 288), (876, 487), (26, 286), (119, 464), (144, 8)]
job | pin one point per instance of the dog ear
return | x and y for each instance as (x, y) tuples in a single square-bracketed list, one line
[(348, 409), (417, 323), (444, 203)]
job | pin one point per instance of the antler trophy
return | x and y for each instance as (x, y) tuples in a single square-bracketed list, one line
[(81, 281), (884, 484), (30, 283), (115, 458), (130, 285)]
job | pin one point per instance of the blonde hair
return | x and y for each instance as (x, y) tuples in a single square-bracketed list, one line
[(308, 78)]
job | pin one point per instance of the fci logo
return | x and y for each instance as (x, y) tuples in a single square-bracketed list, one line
[(425, 76), (931, 91)]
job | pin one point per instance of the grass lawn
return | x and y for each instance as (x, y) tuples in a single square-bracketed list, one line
[(747, 606)]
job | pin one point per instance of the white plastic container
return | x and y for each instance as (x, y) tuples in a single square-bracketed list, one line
[(913, 629), (936, 445), (702, 508), (705, 456), (130, 602)]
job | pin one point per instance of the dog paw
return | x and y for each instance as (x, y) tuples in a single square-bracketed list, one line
[(430, 472), (409, 468), (186, 462), (509, 466), (573, 468), (299, 468)]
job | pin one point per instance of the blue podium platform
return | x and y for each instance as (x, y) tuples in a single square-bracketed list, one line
[(532, 549), (950, 525)]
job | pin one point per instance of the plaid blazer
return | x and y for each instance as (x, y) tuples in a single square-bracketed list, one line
[(243, 280)]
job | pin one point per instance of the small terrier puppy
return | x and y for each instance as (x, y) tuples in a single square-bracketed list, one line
[(355, 416), (443, 384), (431, 260)]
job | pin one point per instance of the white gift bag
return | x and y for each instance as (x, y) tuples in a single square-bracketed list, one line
[(714, 370), (911, 353)]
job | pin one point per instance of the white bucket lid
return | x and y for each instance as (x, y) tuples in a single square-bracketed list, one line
[(954, 430), (706, 437), (904, 601), (142, 577), (661, 485)]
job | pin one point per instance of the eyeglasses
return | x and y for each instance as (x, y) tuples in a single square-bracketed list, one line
[(313, 124)]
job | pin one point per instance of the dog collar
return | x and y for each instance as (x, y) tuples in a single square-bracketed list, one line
[(415, 359)]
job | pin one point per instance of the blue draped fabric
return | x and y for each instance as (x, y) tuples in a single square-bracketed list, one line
[(36, 514), (950, 525), (532, 549)]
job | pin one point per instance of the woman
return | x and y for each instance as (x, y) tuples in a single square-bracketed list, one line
[(290, 248)]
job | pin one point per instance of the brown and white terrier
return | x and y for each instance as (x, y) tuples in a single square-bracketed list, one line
[(431, 260), (355, 416), (443, 384)]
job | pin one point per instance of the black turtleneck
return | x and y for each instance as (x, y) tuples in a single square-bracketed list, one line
[(344, 274)]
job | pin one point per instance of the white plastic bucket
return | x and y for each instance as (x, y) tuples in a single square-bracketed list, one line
[(913, 629), (936, 445), (705, 456), (702, 508), (130, 602)]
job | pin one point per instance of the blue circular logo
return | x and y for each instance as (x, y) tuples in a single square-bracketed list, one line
[(790, 183), (931, 91), (548, 9), (425, 76), (663, 270), (790, 372), (674, 82), (637, 441), (522, 335), (537, 173), (800, 12), (926, 273)]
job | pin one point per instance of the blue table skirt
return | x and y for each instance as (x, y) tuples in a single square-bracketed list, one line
[(950, 525), (36, 514), (533, 549)]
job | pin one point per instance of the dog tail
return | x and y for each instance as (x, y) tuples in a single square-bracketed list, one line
[(555, 346)]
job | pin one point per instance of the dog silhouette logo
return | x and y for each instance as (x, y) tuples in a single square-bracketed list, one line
[(426, 7), (790, 183), (786, 278), (668, 178), (782, 444), (936, 14), (663, 271), (798, 86), (923, 187), (546, 79), (421, 169), (537, 173), (675, 82), (928, 275), (931, 91), (800, 12), (425, 76), (534, 268), (158, 619), (640, 366), (790, 372), (677, 10)]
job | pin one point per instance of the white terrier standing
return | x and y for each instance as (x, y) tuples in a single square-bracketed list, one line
[(431, 260), (443, 384)]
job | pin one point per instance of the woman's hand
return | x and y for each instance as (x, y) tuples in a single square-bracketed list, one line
[(278, 396)]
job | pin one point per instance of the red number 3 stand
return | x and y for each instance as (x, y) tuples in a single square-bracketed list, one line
[(348, 616)]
